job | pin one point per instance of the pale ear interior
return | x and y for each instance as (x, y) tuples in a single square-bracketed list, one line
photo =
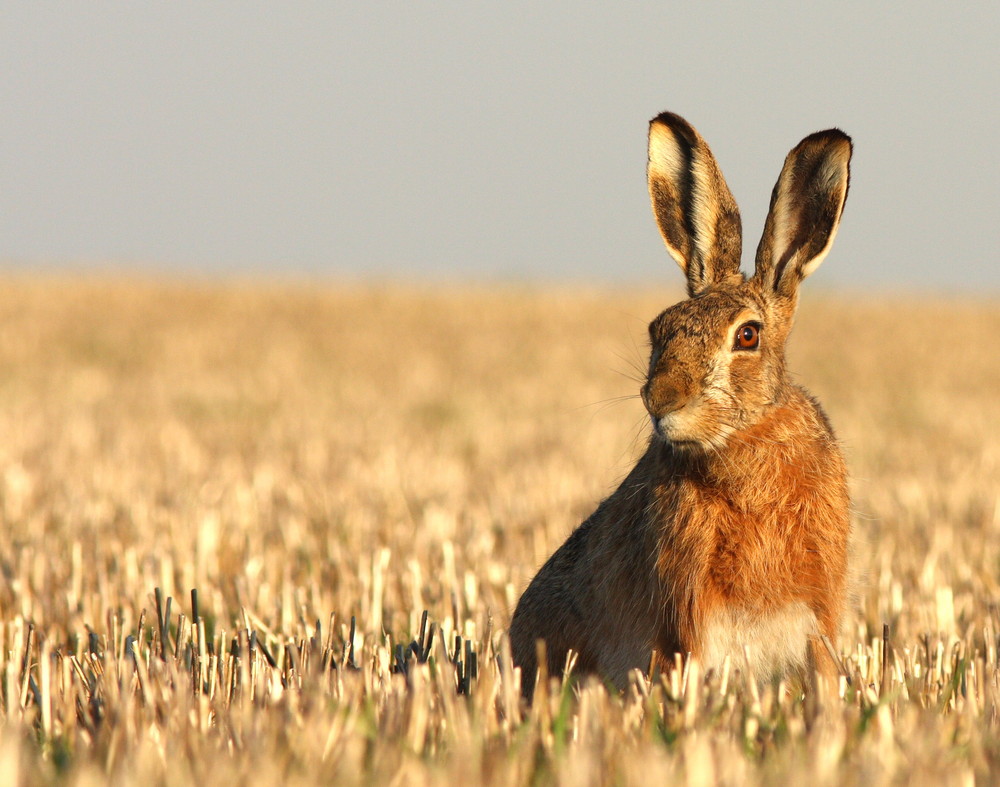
[(667, 164), (805, 212)]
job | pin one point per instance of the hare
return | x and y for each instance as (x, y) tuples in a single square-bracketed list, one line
[(732, 529)]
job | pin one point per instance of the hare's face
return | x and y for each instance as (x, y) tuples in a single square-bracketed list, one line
[(715, 366), (717, 362)]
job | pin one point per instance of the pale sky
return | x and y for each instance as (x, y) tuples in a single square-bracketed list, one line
[(472, 141)]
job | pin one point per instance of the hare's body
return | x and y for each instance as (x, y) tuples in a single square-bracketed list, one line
[(751, 551), (730, 534)]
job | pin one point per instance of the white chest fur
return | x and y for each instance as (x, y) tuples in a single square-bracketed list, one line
[(777, 640)]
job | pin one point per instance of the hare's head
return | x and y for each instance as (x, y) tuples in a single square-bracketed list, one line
[(717, 359)]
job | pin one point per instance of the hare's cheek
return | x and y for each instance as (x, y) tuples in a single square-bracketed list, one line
[(749, 383), (721, 398)]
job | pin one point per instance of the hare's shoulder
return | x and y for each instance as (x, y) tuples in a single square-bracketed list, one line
[(808, 405)]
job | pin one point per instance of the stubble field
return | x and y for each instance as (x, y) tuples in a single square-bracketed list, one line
[(316, 460)]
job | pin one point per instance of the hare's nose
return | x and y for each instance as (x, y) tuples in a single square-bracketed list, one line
[(661, 398)]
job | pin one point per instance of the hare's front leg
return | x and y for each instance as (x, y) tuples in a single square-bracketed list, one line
[(823, 676)]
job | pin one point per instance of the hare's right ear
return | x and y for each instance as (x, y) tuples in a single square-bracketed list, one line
[(806, 205), (696, 212)]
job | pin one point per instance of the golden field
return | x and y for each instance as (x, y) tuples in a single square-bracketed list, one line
[(301, 454)]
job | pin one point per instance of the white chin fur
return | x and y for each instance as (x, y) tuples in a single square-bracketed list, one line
[(686, 426)]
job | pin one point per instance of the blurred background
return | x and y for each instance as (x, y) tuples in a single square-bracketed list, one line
[(453, 141)]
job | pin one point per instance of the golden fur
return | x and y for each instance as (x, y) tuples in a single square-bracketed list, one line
[(732, 529)]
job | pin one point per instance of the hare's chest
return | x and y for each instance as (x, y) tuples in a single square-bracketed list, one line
[(776, 639), (753, 557)]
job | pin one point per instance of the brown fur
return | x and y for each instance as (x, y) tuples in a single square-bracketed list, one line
[(732, 529)]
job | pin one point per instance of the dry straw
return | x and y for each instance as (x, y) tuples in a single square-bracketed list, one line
[(277, 533)]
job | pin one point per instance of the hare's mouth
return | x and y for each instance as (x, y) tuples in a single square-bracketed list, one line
[(689, 432), (667, 431), (677, 426)]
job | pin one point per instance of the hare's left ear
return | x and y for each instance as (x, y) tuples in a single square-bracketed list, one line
[(806, 205)]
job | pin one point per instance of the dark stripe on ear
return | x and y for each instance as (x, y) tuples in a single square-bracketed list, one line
[(695, 261), (779, 269)]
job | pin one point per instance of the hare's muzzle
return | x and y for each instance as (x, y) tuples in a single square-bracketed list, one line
[(662, 402), (661, 398)]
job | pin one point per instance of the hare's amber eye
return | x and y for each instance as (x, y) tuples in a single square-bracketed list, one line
[(747, 336)]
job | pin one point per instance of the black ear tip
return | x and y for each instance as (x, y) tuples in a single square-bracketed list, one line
[(827, 137), (667, 118), (675, 123)]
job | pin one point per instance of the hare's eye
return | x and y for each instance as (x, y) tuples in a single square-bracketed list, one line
[(747, 336)]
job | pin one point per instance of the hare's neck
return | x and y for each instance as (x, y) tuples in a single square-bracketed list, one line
[(758, 460)]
